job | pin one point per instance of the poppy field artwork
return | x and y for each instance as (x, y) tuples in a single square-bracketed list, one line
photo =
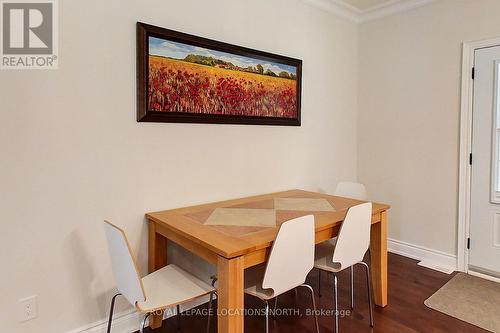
[(184, 78)]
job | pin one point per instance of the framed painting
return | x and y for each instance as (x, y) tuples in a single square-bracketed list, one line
[(189, 79)]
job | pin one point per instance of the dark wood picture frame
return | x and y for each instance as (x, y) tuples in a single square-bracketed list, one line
[(144, 31)]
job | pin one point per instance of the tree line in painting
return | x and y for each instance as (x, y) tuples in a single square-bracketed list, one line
[(206, 85), (258, 69)]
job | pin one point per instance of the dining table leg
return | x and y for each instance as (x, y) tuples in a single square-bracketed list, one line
[(157, 258), (378, 264), (230, 295)]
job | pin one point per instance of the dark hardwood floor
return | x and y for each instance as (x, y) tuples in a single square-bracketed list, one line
[(409, 286)]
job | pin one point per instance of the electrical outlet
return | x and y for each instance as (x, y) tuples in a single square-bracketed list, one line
[(28, 308)]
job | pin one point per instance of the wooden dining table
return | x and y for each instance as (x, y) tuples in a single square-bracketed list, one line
[(237, 234)]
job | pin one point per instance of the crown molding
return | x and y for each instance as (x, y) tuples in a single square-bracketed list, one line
[(351, 13), (338, 8), (390, 8)]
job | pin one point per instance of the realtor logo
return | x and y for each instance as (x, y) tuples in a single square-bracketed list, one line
[(29, 34)]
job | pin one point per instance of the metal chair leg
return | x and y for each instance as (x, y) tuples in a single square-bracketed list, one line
[(336, 302), (275, 307), (267, 317), (209, 311), (214, 280), (143, 323), (352, 287), (111, 309), (314, 305), (319, 282), (369, 287), (178, 318)]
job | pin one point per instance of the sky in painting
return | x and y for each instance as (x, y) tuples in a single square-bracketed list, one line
[(167, 48)]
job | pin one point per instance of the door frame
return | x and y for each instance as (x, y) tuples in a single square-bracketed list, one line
[(465, 174)]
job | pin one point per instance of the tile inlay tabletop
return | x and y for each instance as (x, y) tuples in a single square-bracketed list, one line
[(303, 204), (242, 217)]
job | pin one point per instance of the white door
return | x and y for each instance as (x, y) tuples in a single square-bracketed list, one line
[(484, 252)]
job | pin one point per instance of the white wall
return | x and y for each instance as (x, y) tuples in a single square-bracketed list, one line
[(408, 117), (73, 154)]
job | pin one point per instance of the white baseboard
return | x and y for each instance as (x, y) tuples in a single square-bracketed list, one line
[(124, 322), (129, 321), (433, 259)]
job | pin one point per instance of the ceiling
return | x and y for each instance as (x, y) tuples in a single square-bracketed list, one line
[(367, 4), (365, 10)]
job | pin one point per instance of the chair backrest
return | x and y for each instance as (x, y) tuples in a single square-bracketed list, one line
[(354, 236), (292, 255), (351, 190), (122, 262)]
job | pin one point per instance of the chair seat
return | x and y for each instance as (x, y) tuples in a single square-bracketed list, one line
[(323, 256), (169, 286), (253, 283)]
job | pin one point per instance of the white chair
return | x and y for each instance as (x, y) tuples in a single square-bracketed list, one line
[(349, 249), (162, 289), (290, 260), (348, 190)]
